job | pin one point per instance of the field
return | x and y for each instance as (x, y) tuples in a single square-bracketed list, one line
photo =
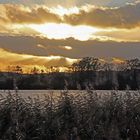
[(69, 115)]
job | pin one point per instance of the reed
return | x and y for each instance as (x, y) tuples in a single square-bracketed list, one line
[(87, 116)]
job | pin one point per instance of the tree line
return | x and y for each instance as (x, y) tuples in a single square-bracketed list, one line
[(87, 73)]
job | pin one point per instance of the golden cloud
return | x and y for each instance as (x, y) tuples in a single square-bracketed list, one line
[(22, 14), (10, 58), (121, 17)]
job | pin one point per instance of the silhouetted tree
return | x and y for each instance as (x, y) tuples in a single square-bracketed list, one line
[(133, 64), (87, 64), (35, 70)]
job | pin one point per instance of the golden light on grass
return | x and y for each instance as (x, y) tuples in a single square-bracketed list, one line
[(62, 31)]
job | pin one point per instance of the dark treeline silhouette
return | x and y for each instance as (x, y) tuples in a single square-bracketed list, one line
[(87, 73)]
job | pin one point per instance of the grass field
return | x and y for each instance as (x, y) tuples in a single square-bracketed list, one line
[(86, 115)]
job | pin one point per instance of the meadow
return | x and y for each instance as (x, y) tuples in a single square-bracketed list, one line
[(88, 115)]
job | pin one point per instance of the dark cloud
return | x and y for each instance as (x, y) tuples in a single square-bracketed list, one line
[(123, 17), (46, 47)]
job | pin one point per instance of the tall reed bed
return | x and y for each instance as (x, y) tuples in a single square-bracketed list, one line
[(88, 116)]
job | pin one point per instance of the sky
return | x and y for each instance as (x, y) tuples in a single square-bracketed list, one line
[(59, 32), (70, 2)]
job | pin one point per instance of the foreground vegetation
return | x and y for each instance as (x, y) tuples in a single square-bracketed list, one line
[(71, 117)]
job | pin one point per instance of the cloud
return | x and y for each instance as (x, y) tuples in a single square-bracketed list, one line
[(24, 59), (22, 14), (46, 47), (69, 3), (2, 20), (125, 35), (122, 17)]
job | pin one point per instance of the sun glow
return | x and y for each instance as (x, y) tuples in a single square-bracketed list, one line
[(64, 11), (67, 47), (27, 62), (62, 31), (118, 60)]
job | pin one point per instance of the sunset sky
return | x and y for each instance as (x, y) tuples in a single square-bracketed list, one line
[(58, 32)]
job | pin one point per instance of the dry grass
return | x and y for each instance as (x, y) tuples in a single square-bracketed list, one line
[(73, 117)]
